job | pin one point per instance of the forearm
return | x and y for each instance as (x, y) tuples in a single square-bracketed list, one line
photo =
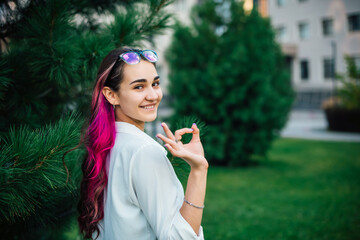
[(195, 193)]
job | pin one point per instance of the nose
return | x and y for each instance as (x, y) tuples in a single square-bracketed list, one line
[(152, 95)]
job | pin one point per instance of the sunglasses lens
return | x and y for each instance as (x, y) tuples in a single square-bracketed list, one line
[(131, 58), (150, 55)]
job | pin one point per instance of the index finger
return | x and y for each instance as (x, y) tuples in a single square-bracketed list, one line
[(180, 132), (167, 131)]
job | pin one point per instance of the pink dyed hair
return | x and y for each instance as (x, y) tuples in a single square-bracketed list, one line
[(99, 139)]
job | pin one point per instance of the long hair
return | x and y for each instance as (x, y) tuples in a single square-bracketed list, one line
[(99, 139)]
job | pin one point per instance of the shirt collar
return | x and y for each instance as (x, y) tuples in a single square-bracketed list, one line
[(125, 127)]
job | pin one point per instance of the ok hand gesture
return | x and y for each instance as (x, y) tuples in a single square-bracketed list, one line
[(192, 152)]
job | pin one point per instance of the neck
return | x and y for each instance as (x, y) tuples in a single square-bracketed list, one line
[(140, 125), (136, 123)]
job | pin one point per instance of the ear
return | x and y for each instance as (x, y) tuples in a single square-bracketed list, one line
[(110, 95)]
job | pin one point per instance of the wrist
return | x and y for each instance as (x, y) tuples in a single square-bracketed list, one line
[(196, 162), (200, 167)]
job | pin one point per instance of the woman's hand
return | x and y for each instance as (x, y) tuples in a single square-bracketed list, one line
[(192, 152)]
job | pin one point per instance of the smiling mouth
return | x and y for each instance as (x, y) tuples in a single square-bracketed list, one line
[(148, 107)]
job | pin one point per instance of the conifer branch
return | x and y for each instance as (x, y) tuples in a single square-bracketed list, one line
[(48, 71)]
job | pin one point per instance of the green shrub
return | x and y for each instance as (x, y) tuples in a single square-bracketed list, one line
[(349, 93), (227, 70)]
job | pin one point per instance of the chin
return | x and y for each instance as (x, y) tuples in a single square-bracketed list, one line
[(150, 118)]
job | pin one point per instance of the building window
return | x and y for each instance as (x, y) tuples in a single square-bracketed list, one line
[(304, 69), (354, 22), (281, 34), (280, 3), (304, 31), (328, 67), (328, 27)]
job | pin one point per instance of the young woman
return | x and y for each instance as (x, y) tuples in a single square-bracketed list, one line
[(129, 188)]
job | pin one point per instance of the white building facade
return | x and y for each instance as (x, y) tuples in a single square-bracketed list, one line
[(314, 33)]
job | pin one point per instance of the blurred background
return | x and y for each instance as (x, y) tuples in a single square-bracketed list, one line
[(274, 86)]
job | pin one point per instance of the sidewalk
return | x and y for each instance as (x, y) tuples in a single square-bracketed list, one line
[(312, 125)]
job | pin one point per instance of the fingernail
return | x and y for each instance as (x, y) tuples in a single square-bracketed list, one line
[(194, 124), (191, 129), (165, 146), (157, 136)]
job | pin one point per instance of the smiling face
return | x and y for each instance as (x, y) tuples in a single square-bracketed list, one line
[(139, 94)]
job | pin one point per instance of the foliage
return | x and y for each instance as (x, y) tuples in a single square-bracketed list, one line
[(349, 93), (227, 70), (33, 177), (50, 53), (56, 48)]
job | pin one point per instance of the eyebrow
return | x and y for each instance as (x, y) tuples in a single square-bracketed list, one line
[(143, 80)]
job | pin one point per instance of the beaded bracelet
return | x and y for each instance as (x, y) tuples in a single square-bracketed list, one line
[(200, 207)]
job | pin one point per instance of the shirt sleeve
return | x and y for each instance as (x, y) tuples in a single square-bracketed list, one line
[(160, 194)]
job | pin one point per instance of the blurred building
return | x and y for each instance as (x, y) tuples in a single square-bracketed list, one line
[(314, 35)]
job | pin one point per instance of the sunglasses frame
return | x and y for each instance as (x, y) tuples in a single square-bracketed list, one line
[(139, 53)]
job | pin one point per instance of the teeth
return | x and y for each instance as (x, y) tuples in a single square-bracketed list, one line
[(149, 107)]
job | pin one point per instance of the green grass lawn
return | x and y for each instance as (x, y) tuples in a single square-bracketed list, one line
[(303, 190)]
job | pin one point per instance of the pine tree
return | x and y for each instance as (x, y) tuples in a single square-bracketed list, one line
[(233, 77), (50, 53)]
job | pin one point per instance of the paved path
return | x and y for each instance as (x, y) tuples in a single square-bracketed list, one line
[(313, 125)]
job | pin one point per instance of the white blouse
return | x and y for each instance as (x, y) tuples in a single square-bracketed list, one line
[(143, 195)]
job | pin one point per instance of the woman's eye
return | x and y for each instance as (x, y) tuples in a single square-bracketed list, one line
[(138, 87), (155, 84)]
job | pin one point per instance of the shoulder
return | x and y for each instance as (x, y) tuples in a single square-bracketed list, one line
[(150, 166), (150, 153)]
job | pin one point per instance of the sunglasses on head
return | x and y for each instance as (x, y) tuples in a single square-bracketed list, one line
[(134, 57)]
